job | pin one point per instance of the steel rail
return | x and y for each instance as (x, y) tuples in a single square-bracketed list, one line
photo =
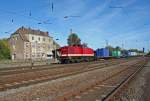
[(112, 96), (33, 69), (49, 77), (74, 93)]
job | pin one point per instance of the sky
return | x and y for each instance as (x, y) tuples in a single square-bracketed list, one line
[(124, 23)]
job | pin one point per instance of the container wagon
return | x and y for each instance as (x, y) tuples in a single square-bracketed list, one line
[(133, 53), (116, 54), (125, 53), (102, 53)]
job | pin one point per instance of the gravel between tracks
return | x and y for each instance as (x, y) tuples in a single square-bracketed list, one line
[(14, 80), (56, 87), (49, 90), (139, 88)]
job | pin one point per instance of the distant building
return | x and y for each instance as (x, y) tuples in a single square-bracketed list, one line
[(27, 43)]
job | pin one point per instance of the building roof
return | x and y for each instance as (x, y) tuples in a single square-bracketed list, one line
[(23, 37), (24, 30)]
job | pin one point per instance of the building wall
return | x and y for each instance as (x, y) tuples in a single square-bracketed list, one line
[(31, 46), (27, 50), (17, 47), (41, 46)]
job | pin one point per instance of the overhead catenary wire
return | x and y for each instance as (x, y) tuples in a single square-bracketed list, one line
[(18, 14), (71, 16), (29, 13), (52, 7), (127, 15), (12, 20), (123, 10), (28, 16)]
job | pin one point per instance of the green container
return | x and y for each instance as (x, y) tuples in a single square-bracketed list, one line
[(116, 53)]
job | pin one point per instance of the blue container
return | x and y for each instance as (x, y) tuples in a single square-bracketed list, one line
[(103, 52)]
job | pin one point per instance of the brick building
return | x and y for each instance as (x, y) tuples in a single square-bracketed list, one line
[(27, 43)]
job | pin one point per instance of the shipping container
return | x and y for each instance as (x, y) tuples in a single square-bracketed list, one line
[(102, 53), (133, 53), (129, 53), (116, 53), (125, 53)]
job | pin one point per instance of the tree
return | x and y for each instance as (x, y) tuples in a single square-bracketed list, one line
[(73, 39), (133, 50), (85, 45), (118, 48), (110, 48), (4, 49), (148, 53)]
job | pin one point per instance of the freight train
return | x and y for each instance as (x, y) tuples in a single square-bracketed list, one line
[(74, 54)]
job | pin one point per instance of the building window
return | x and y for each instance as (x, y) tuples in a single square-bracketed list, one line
[(39, 38), (32, 38), (49, 47), (16, 37), (13, 46), (43, 39), (48, 55), (38, 55), (33, 46)]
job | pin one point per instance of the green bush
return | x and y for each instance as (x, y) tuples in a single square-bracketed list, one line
[(4, 49), (148, 53)]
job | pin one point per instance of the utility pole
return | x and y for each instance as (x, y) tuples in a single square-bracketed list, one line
[(70, 31), (106, 43), (55, 48), (122, 46)]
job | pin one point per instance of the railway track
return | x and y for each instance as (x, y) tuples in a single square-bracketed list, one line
[(29, 68), (8, 71), (15, 79), (78, 86), (115, 94), (126, 69), (107, 89)]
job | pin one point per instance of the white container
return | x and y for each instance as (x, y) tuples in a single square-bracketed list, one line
[(133, 54)]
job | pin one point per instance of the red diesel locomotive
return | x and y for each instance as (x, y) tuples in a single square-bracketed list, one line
[(69, 54)]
